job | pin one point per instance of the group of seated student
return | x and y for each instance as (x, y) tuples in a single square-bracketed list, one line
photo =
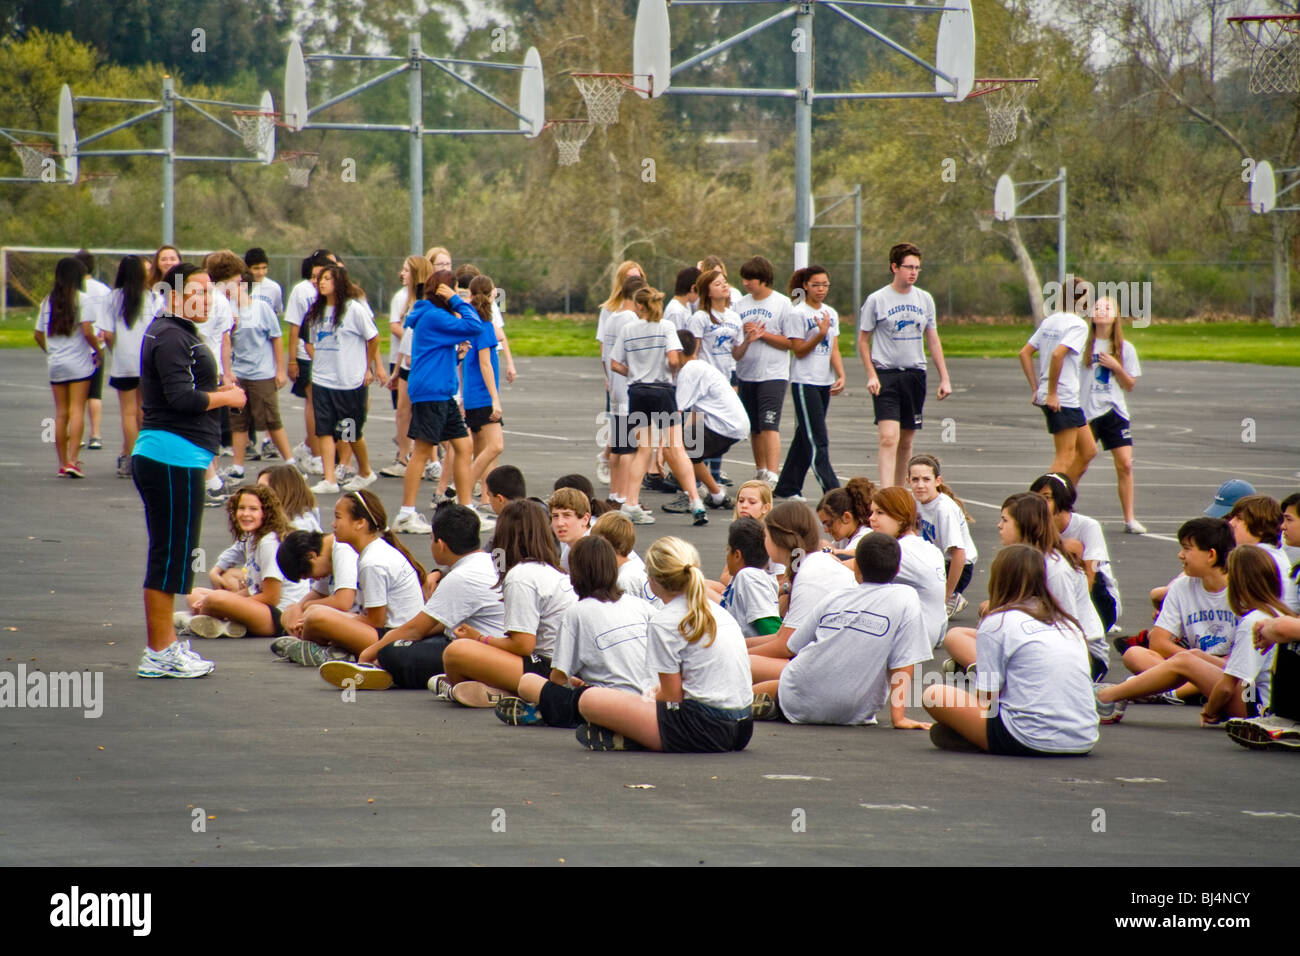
[(818, 617)]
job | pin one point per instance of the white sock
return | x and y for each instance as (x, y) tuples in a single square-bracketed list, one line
[(214, 484), (619, 498), (718, 498), (696, 504), (406, 510)]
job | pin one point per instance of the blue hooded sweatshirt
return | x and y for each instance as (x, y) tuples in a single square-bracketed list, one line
[(433, 347)]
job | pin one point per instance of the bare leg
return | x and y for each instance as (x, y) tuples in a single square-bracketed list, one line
[(637, 469), (766, 668), (905, 437), (240, 441), (327, 456), (953, 707), (469, 660), (328, 625), (61, 401), (280, 439), (530, 687), (95, 408), (403, 420), (770, 442), (309, 416), (462, 464), (1186, 667), (888, 453), (363, 456), (489, 443), (1124, 476), (960, 645), (623, 713), (1085, 450), (129, 402), (78, 392), (158, 606), (229, 606), (1139, 659), (420, 452), (1063, 445), (769, 687)]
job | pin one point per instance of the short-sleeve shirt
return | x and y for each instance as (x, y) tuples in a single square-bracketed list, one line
[(301, 297), (1088, 532), (1043, 681), (643, 347), (701, 388), (342, 576), (386, 578), (714, 673), (221, 319), (268, 290), (944, 526), (254, 356), (815, 367), (762, 362), (396, 313), (1249, 665), (476, 394), (1069, 585), (469, 594), (536, 596), (126, 341), (604, 642), (751, 596), (613, 326), (676, 313), (1196, 618), (844, 651), (1100, 392), (1060, 328), (70, 357), (818, 575), (921, 568), (340, 347), (718, 334), (897, 322)]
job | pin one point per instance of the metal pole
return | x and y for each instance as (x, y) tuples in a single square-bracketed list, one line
[(1060, 234), (416, 88), (169, 162), (4, 283), (803, 81), (857, 248)]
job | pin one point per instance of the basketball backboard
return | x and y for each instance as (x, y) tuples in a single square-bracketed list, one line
[(532, 95), (954, 53), (67, 134), (295, 89), (651, 49)]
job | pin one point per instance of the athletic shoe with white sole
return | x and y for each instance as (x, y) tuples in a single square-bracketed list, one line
[(1264, 733), (1134, 527), (269, 451), (347, 674), (309, 654), (280, 646), (324, 487), (124, 466), (358, 482), (215, 499), (210, 627), (765, 708), (636, 514), (396, 470), (315, 466), (681, 505), (955, 604), (517, 712), (1108, 713), (176, 660), (726, 504), (600, 738), (945, 738), (433, 470), (413, 523), (699, 517), (472, 693), (440, 687), (602, 470), (251, 453)]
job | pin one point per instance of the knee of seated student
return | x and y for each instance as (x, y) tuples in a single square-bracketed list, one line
[(291, 617), (314, 620)]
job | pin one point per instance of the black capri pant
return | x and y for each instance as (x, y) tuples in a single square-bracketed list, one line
[(173, 516)]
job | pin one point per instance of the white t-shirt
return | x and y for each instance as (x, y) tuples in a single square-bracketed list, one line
[(714, 673), (395, 314), (1088, 532), (718, 334), (897, 323), (126, 341), (340, 349), (301, 297), (536, 597), (751, 596), (604, 642), (1060, 328), (1100, 392), (702, 388), (70, 357), (469, 594), (815, 367), (818, 574), (1043, 681), (676, 313), (1070, 588), (343, 574), (851, 542), (633, 580), (268, 290), (921, 568), (613, 326), (762, 362), (259, 564), (845, 650), (1289, 596), (1197, 618), (221, 319), (945, 527), (643, 347), (386, 578), (254, 355), (1249, 665)]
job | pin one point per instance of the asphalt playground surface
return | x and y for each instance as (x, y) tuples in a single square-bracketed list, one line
[(262, 763)]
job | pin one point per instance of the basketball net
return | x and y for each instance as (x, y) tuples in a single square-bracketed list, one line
[(101, 188), (602, 95), (1004, 102), (1274, 48), (569, 136), (255, 127), (300, 166), (33, 157)]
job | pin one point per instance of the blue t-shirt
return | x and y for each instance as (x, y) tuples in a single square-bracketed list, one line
[(435, 333), (476, 394), (254, 357)]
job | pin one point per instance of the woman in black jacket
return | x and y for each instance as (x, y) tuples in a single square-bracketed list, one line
[(181, 432)]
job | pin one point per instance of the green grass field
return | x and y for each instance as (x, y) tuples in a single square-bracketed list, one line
[(1249, 342)]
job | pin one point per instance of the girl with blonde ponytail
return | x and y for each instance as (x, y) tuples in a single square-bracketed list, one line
[(703, 701)]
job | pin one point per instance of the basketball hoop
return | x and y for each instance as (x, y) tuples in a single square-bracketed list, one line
[(602, 92), (1004, 99), (101, 187), (1239, 215), (33, 156), (1273, 43), (255, 126), (569, 135), (300, 166), (985, 219)]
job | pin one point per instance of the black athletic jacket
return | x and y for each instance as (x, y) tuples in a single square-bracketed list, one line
[(177, 371)]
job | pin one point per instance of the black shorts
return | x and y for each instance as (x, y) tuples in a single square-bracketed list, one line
[(652, 405), (622, 438), (1112, 430), (966, 574), (1099, 668), (476, 418), (404, 374), (173, 519), (704, 444), (97, 382), (412, 663), (901, 398), (340, 412), (124, 383), (1064, 420), (436, 422), (277, 629), (763, 402), (1002, 743), (559, 705), (537, 664), (694, 728), (303, 381), (392, 366)]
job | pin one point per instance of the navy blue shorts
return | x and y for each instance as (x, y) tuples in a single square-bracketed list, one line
[(1112, 430), (1064, 420), (901, 398)]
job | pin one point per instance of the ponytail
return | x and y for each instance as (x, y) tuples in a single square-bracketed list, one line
[(366, 505), (675, 565), (699, 619), (943, 489)]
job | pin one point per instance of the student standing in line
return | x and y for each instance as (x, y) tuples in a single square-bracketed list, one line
[(301, 298), (122, 323), (181, 398), (622, 446), (895, 325), (763, 363), (65, 332), (627, 269), (95, 300), (415, 273), (481, 394), (1111, 368)]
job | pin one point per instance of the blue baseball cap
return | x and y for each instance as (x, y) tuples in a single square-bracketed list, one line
[(1227, 496)]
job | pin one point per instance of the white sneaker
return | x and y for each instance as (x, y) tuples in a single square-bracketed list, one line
[(344, 473), (433, 470), (214, 627), (269, 451), (441, 687), (602, 470), (360, 481), (413, 523), (176, 660), (636, 514), (1134, 527), (487, 522), (955, 604), (315, 466), (234, 475), (770, 477), (324, 487), (396, 470)]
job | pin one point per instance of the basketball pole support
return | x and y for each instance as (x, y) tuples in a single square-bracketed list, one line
[(856, 226), (1060, 215)]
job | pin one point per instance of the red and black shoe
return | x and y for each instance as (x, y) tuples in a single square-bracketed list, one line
[(1122, 644)]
